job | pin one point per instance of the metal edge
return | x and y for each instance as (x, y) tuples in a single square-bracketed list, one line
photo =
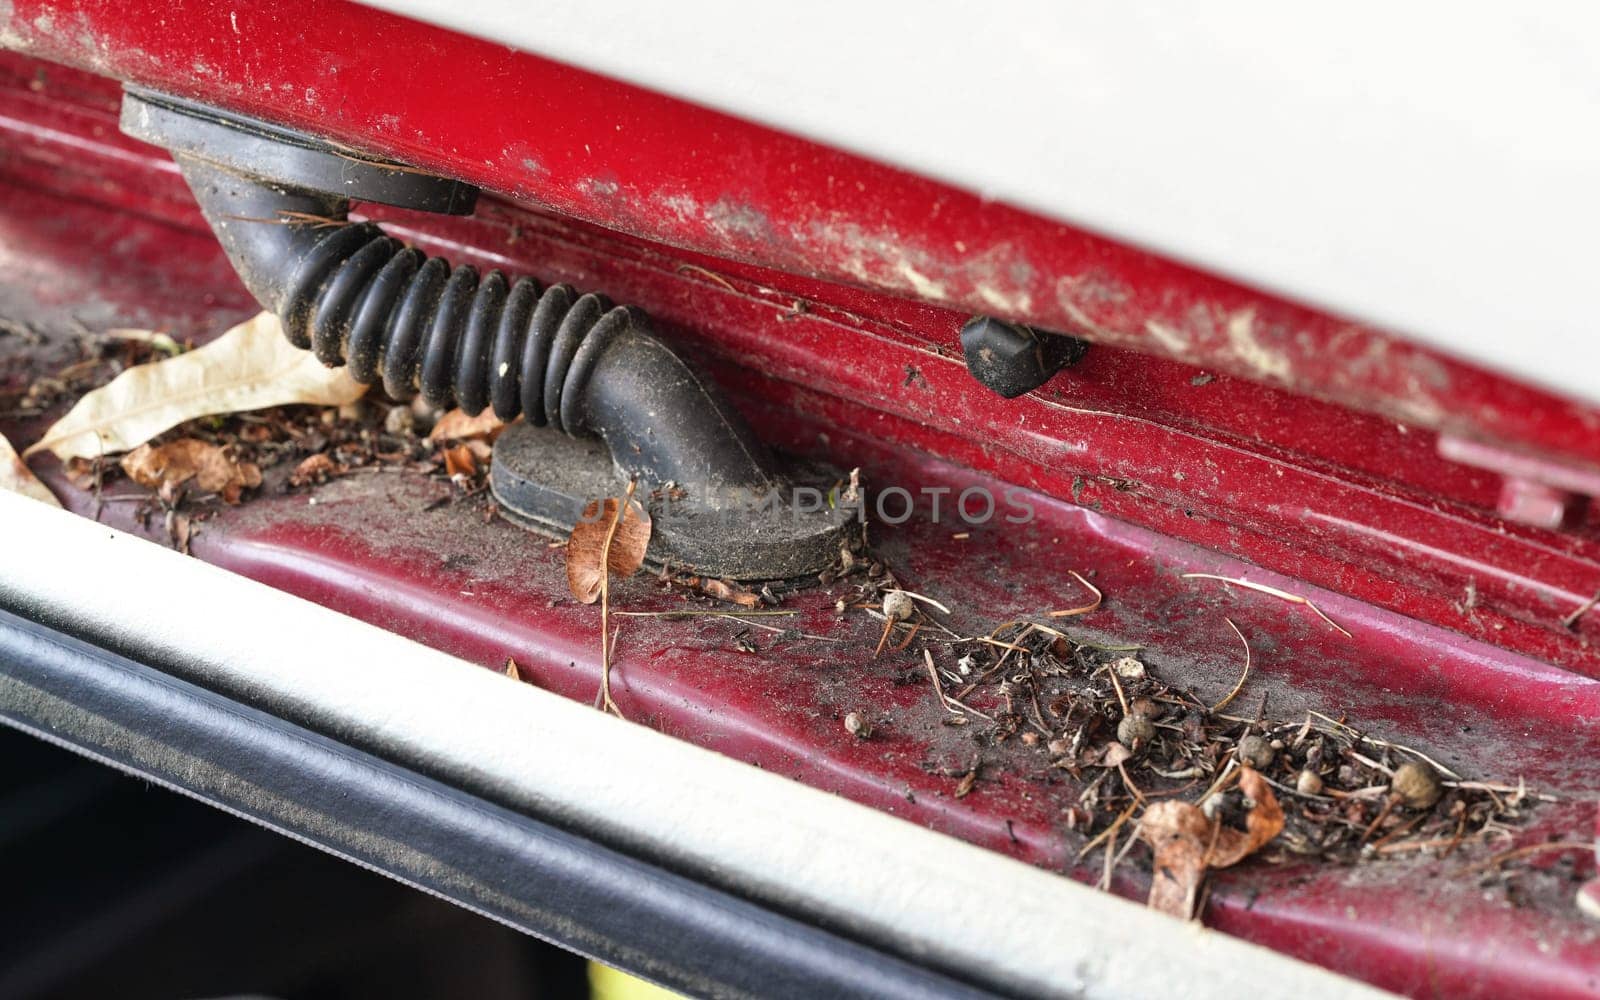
[(922, 896), (519, 871)]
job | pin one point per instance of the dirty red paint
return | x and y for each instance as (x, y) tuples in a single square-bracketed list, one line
[(1455, 614), (595, 149)]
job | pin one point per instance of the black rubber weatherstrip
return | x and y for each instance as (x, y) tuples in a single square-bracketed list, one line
[(552, 883)]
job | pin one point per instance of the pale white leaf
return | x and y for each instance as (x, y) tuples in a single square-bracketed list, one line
[(250, 367), (18, 478)]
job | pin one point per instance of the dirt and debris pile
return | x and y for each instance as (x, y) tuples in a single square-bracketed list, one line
[(1204, 784)]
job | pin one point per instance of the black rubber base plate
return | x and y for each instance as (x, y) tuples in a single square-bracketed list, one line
[(543, 480)]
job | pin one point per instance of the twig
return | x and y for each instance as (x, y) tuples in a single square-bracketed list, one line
[(1222, 782), (1085, 609), (1522, 852), (911, 633), (1583, 609), (702, 613), (742, 618), (1415, 845), (1127, 782), (1369, 762), (1107, 832), (1273, 592), (1243, 676), (951, 705), (1383, 814), (605, 603), (1363, 738), (1116, 685), (399, 168), (719, 279), (888, 626), (1127, 845), (1487, 786)]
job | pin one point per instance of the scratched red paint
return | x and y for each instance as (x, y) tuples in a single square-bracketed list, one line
[(595, 149), (1308, 489)]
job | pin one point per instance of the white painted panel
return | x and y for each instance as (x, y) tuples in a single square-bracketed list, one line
[(1429, 167)]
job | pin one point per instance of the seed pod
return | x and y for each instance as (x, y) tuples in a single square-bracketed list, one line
[(1308, 783), (897, 607), (1145, 707), (1257, 752), (1135, 729), (1416, 785)]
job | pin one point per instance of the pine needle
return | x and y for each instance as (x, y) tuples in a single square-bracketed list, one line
[(1219, 706), (1282, 595), (1085, 609)]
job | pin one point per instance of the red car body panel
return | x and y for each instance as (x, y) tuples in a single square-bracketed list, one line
[(799, 275)]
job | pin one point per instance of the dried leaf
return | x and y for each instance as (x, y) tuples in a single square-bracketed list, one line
[(250, 367), (1107, 755), (459, 461), (1186, 843), (587, 543), (82, 472), (18, 478), (722, 590), (212, 468), (317, 468), (457, 426)]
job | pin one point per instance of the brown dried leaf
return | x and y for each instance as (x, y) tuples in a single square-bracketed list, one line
[(457, 426), (587, 543), (18, 478), (965, 785), (1186, 843), (81, 472), (1107, 755), (212, 468), (250, 367), (722, 590), (318, 468), (459, 461)]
